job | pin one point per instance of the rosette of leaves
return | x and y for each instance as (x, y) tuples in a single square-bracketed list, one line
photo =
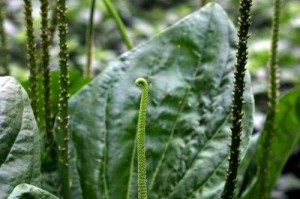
[(189, 68)]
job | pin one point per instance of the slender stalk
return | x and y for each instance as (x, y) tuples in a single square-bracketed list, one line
[(31, 56), (142, 179), (46, 70), (53, 23), (90, 34), (273, 94), (112, 10), (3, 43), (63, 99), (238, 99)]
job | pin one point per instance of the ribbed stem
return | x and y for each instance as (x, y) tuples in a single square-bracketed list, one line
[(238, 99), (273, 94), (31, 56), (45, 56), (142, 178), (121, 27), (63, 118), (90, 34), (3, 43)]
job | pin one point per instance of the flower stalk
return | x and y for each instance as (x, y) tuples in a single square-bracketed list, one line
[(273, 94), (63, 118), (238, 99), (46, 70), (142, 178), (31, 56)]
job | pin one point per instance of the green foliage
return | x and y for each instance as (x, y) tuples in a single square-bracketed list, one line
[(142, 179), (26, 191), (19, 148), (189, 68), (286, 136), (190, 72)]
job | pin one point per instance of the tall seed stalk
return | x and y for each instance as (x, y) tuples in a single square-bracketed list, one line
[(3, 43), (142, 177), (90, 34), (31, 56), (121, 27), (63, 99), (53, 23), (45, 56), (273, 94), (238, 99)]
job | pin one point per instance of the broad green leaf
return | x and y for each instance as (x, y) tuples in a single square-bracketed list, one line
[(189, 68), (19, 138), (287, 134), (26, 191)]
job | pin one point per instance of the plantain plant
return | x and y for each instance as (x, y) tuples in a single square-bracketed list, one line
[(191, 77)]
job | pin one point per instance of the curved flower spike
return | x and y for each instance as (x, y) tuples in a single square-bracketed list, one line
[(142, 180)]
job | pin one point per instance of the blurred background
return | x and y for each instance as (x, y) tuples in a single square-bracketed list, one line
[(145, 18)]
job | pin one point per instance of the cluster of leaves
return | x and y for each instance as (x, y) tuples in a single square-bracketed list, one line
[(189, 68)]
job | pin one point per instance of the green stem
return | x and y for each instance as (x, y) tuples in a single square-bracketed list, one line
[(112, 10), (273, 94), (142, 179), (46, 71), (238, 99), (63, 99), (53, 23), (3, 44), (31, 56), (90, 34)]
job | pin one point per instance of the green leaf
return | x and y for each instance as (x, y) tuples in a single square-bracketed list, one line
[(19, 138), (26, 191), (287, 134), (189, 68)]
